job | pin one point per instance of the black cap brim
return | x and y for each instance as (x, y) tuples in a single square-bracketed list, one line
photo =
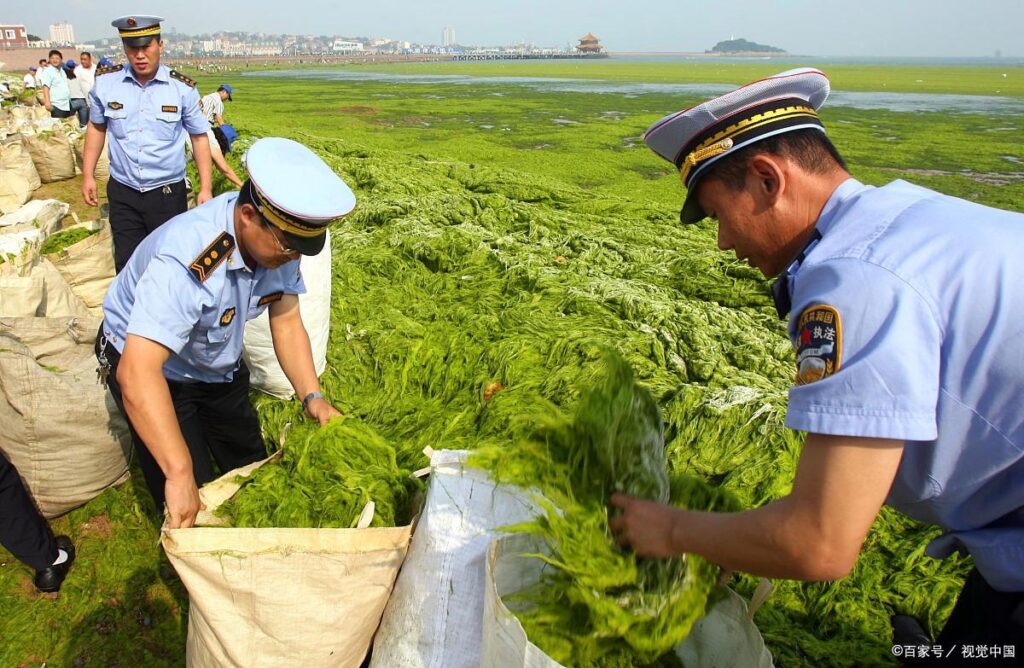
[(306, 245), (691, 212), (139, 41)]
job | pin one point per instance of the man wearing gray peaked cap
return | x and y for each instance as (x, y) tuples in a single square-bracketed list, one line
[(904, 310), (170, 345), (148, 110)]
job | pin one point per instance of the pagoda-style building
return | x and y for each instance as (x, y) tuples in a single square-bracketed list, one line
[(589, 44)]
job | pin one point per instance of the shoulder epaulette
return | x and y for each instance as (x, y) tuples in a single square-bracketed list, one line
[(107, 69), (212, 256), (175, 74)]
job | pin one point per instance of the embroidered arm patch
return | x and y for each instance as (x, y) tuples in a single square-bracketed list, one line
[(819, 343)]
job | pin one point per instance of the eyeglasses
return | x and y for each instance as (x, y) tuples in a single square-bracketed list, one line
[(285, 250)]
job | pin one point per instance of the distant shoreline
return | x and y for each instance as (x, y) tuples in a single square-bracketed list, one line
[(710, 54)]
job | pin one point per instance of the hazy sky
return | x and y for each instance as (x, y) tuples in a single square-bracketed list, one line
[(858, 28)]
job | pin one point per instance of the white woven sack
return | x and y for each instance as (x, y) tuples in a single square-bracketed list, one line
[(18, 175), (725, 637), (315, 306), (43, 214), (52, 154), (434, 617), (88, 267), (60, 428)]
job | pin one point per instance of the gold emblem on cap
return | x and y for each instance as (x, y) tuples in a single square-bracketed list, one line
[(701, 154), (717, 144)]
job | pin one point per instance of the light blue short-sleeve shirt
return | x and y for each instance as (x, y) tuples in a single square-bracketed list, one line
[(907, 319), (146, 125), (158, 296), (60, 89)]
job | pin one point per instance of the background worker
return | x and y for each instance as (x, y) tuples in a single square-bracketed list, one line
[(174, 320), (212, 104), (55, 89), (27, 536), (29, 80), (40, 70), (86, 73), (904, 311), (148, 109), (78, 103), (222, 137)]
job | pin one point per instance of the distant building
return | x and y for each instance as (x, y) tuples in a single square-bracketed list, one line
[(589, 44), (346, 46), (13, 37), (448, 36), (62, 33)]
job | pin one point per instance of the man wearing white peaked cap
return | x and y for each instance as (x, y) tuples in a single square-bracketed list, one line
[(904, 309), (170, 346)]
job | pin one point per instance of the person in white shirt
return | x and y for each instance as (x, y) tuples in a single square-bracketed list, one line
[(78, 104), (43, 64), (86, 72), (30, 77)]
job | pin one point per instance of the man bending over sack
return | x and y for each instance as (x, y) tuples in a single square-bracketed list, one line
[(170, 345)]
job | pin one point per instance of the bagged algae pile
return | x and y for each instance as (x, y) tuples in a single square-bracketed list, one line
[(64, 239), (325, 477), (600, 605)]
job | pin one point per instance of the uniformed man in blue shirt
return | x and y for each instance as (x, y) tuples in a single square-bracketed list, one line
[(170, 345), (144, 110), (904, 310)]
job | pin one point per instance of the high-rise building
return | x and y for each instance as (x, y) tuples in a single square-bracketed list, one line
[(448, 36), (62, 33)]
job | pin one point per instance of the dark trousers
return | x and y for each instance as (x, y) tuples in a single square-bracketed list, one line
[(216, 420), (985, 616), (81, 109), (23, 531), (134, 214), (60, 113)]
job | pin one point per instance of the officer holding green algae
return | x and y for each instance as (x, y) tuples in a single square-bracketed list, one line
[(170, 345), (904, 312), (148, 109)]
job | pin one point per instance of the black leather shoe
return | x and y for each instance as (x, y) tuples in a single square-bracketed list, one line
[(50, 579)]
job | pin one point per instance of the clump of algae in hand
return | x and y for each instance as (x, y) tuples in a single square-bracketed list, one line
[(598, 605), (325, 477)]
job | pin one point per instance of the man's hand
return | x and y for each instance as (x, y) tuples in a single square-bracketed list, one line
[(320, 410), (204, 195), (644, 526), (182, 502), (89, 190)]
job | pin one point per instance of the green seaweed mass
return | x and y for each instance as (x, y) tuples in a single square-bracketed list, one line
[(599, 605), (324, 478), (469, 300), (61, 240), (495, 249)]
